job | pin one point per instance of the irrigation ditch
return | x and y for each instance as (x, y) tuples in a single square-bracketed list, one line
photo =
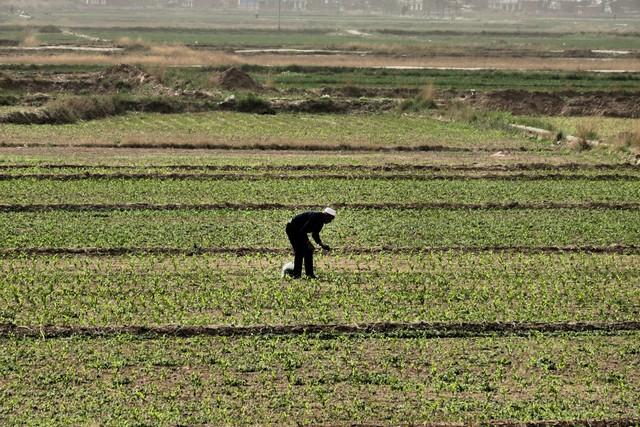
[(422, 329)]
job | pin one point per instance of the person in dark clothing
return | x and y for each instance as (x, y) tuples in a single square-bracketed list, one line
[(297, 230)]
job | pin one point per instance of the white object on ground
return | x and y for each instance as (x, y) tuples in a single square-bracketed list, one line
[(287, 269)]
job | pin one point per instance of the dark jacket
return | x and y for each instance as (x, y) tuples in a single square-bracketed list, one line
[(307, 222)]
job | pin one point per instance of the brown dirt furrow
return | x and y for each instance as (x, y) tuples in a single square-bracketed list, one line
[(624, 422), (389, 167), (379, 176), (564, 103), (276, 206), (430, 329), (621, 422), (242, 251), (284, 147)]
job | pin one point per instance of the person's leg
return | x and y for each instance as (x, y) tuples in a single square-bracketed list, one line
[(308, 259), (298, 252), (297, 265), (308, 264)]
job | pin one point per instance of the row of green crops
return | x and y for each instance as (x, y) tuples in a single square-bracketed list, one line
[(353, 228), (428, 41), (155, 159), (372, 171), (256, 380), (231, 290), (296, 129), (317, 190)]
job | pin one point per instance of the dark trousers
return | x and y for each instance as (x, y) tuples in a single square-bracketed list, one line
[(302, 250)]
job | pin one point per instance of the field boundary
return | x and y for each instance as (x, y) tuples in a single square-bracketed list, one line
[(68, 207), (287, 147), (370, 176), (429, 329), (621, 422), (246, 251), (390, 167)]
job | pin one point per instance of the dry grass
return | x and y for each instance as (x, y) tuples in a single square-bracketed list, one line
[(76, 108), (428, 92), (629, 140), (213, 81), (586, 132), (460, 112), (584, 138), (159, 56), (30, 40), (269, 83), (157, 71), (132, 43), (578, 144), (425, 100), (182, 56)]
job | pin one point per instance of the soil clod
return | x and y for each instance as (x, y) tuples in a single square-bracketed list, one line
[(236, 79)]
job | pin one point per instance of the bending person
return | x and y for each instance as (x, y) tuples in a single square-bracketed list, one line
[(297, 230)]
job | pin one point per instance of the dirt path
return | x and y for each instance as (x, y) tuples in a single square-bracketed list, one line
[(423, 329)]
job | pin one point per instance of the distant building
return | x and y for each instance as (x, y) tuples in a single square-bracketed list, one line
[(621, 7), (430, 8), (442, 8), (504, 5), (411, 7), (121, 3)]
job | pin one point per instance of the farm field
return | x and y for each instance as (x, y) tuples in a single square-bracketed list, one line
[(485, 262), (422, 304), (250, 380)]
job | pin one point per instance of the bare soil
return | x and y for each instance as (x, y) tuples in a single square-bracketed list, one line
[(241, 251), (378, 176), (434, 330), (291, 146), (111, 80), (565, 103), (387, 167), (275, 206), (236, 79)]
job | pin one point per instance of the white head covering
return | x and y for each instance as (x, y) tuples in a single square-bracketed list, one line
[(329, 211)]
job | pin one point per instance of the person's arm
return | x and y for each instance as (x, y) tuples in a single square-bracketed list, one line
[(316, 237), (314, 225)]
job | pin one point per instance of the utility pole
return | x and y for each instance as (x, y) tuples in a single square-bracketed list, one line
[(279, 1)]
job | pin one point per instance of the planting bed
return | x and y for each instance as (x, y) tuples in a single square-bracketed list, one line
[(349, 189), (219, 289), (458, 282), (382, 380)]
